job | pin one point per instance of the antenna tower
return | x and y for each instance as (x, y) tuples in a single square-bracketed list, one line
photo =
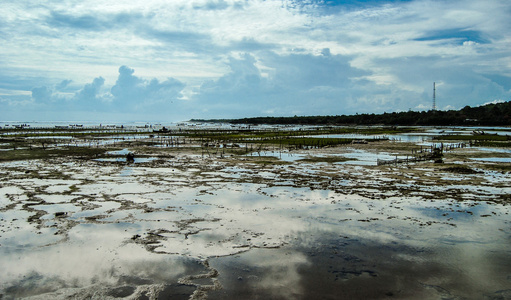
[(434, 96)]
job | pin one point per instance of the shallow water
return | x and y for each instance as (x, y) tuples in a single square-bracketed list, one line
[(366, 158), (123, 159), (282, 155), (245, 231), (494, 159)]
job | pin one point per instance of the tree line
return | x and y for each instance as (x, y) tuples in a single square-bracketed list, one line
[(496, 114)]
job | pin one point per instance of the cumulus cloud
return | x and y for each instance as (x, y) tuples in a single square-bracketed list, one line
[(243, 78), (46, 94), (497, 101), (63, 84), (89, 95), (305, 71), (282, 84), (132, 92), (232, 58), (129, 94), (42, 94)]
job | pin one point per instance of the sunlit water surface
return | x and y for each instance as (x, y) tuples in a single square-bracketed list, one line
[(117, 230), (278, 242)]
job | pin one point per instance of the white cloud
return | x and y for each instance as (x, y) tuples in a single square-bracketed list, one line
[(449, 107), (494, 102), (91, 90), (469, 43), (134, 93), (42, 94), (250, 57)]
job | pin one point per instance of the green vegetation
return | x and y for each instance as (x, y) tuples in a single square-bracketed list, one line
[(491, 144), (72, 189), (64, 132), (499, 167), (262, 133), (475, 137), (267, 160), (296, 138), (307, 142), (488, 115), (479, 140), (40, 153), (460, 170)]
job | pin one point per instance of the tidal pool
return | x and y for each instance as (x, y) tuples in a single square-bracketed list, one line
[(193, 228), (123, 159), (282, 155), (494, 159)]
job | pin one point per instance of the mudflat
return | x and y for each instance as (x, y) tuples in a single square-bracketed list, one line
[(190, 222)]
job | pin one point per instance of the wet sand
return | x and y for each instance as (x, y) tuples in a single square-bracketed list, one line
[(190, 225)]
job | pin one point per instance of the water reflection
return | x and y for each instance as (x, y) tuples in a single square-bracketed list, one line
[(494, 159), (139, 233), (123, 159), (94, 261), (282, 155), (328, 265), (261, 274)]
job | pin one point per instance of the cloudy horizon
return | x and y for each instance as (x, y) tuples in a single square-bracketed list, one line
[(176, 60)]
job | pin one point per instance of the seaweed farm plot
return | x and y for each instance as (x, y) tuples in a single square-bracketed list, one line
[(275, 222)]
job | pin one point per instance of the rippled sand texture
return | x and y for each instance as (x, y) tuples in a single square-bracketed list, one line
[(194, 226)]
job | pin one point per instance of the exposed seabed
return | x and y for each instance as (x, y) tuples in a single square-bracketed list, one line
[(254, 227)]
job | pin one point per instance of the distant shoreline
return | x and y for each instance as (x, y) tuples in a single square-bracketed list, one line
[(498, 114)]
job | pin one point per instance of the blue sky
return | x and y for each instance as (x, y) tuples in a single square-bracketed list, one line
[(160, 60)]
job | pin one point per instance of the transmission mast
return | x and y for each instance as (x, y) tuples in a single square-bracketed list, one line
[(434, 96)]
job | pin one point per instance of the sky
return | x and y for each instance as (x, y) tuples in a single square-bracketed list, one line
[(174, 60)]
